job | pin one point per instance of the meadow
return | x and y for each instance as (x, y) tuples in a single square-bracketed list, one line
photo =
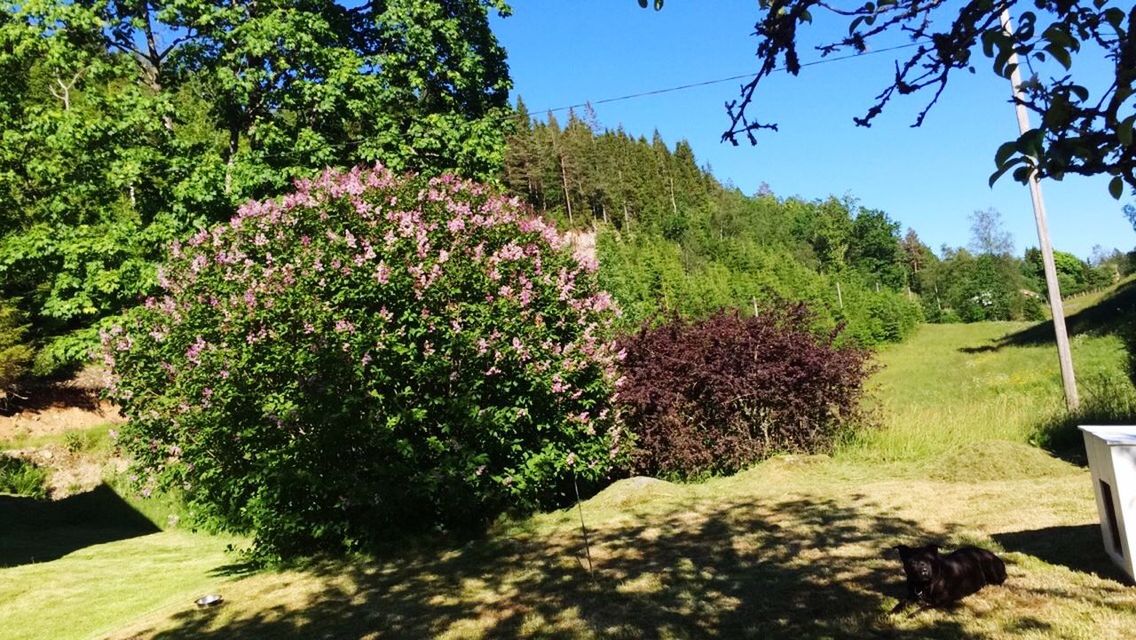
[(795, 547)]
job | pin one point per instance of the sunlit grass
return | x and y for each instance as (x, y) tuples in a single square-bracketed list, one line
[(950, 386), (92, 590), (92, 439)]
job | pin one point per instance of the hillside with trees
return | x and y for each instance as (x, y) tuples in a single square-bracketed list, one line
[(672, 239)]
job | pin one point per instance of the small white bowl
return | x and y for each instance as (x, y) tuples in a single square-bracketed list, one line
[(210, 600)]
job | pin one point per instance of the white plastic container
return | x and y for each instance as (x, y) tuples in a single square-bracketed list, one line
[(1112, 462)]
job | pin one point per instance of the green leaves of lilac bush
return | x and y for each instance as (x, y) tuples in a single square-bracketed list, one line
[(370, 354)]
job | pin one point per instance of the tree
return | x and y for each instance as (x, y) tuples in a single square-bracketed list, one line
[(1079, 133), (522, 157), (918, 257), (827, 226), (126, 123), (15, 354), (874, 248), (1073, 274), (987, 237), (86, 180)]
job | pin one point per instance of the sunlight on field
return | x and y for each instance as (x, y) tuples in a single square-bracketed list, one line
[(953, 385), (92, 590)]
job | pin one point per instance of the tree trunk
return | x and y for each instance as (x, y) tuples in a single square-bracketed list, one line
[(564, 182), (231, 156)]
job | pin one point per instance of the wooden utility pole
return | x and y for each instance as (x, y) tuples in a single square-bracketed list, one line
[(1064, 355)]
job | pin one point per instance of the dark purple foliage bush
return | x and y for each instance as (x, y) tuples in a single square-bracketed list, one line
[(714, 395)]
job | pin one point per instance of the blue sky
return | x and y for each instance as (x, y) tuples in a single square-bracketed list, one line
[(565, 52)]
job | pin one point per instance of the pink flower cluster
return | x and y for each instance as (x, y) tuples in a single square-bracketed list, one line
[(444, 277)]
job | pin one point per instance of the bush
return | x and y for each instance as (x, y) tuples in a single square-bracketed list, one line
[(15, 354), (366, 356), (871, 318), (1108, 399), (716, 395)]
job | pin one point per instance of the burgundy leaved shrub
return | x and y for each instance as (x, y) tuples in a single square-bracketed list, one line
[(714, 395)]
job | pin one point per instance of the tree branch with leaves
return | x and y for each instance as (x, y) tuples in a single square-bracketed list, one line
[(1079, 133)]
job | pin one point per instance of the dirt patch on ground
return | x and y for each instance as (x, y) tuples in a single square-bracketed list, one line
[(72, 472), (29, 422), (57, 419), (52, 409)]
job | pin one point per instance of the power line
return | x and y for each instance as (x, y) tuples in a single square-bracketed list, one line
[(653, 92), (694, 85)]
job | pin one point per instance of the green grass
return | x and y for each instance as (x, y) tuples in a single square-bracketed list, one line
[(95, 588), (796, 547), (950, 386), (22, 477), (92, 440)]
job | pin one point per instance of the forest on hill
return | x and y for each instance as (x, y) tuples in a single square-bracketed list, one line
[(673, 239)]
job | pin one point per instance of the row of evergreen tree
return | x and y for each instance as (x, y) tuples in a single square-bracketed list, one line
[(581, 174), (674, 239)]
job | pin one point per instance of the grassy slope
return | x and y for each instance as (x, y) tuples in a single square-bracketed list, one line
[(793, 548)]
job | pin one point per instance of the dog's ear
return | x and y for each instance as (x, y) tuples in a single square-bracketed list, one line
[(903, 550), (933, 549)]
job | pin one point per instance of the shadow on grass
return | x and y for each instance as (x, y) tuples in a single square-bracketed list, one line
[(1076, 547), (801, 568), (1112, 315), (40, 397), (34, 530)]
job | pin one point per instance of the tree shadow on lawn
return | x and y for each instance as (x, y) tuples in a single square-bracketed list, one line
[(1076, 547), (1112, 315), (801, 568), (33, 530)]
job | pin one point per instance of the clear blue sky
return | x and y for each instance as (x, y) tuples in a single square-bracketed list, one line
[(565, 52)]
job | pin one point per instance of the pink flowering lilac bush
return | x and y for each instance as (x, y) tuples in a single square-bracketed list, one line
[(370, 353)]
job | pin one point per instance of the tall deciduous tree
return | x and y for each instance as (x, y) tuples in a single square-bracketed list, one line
[(125, 123), (874, 248), (988, 236)]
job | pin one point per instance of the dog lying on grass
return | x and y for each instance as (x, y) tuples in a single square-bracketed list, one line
[(935, 580)]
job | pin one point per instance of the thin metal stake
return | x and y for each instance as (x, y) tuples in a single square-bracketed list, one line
[(583, 527)]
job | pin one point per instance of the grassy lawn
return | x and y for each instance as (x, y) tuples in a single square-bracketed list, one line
[(797, 547)]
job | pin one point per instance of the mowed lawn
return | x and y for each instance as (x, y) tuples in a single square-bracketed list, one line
[(796, 547)]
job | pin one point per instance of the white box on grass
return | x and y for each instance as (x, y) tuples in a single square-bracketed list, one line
[(1112, 462)]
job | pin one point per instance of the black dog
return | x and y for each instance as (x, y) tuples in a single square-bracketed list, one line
[(934, 580)]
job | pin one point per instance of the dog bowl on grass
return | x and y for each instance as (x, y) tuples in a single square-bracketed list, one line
[(210, 600)]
